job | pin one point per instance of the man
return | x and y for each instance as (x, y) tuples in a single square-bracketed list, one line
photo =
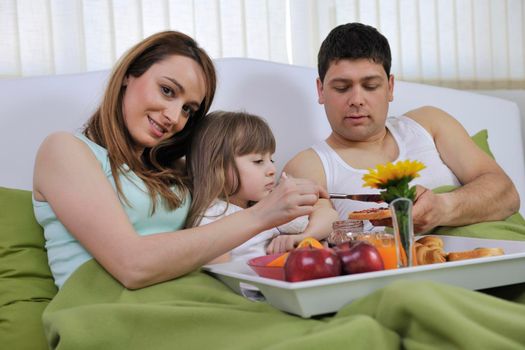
[(355, 86)]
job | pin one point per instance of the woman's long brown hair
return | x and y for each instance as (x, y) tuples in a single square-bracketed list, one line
[(217, 141), (159, 167)]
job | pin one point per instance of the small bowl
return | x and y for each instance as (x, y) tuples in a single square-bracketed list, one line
[(259, 263)]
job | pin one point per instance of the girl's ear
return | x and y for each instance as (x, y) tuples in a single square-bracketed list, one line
[(125, 81)]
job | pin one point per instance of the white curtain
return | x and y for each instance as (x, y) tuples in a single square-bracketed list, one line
[(459, 43)]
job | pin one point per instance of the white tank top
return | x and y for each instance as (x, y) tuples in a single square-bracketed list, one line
[(414, 143)]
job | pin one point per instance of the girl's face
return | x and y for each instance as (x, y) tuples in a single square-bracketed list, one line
[(159, 103), (256, 177)]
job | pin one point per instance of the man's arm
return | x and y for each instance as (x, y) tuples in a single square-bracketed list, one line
[(487, 192), (307, 165)]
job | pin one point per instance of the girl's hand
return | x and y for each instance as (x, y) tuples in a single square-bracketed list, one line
[(290, 199), (283, 243)]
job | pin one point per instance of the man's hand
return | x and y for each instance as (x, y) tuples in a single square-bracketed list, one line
[(428, 209)]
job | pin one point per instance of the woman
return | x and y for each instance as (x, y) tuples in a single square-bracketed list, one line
[(118, 193)]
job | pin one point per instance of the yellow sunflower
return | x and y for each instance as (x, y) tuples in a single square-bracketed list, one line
[(394, 178)]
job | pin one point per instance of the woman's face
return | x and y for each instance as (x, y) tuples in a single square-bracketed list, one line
[(159, 103)]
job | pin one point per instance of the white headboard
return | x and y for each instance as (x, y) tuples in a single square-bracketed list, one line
[(284, 95)]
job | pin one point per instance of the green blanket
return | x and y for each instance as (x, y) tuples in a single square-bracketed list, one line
[(93, 311)]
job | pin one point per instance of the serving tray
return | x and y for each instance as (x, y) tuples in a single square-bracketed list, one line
[(328, 295)]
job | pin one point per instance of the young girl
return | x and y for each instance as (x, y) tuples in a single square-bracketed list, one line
[(231, 161)]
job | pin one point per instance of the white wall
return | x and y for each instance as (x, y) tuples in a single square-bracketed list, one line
[(517, 96)]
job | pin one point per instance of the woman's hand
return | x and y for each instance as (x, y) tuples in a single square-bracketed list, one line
[(292, 198)]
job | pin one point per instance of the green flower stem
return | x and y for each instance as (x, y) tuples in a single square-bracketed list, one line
[(399, 190), (404, 230)]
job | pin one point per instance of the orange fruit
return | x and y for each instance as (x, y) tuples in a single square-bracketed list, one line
[(310, 242), (279, 261)]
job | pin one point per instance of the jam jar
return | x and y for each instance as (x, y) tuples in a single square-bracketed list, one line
[(344, 230)]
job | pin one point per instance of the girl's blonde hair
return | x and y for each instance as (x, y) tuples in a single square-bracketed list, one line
[(159, 166), (217, 141)]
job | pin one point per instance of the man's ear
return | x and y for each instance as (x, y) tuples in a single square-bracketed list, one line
[(320, 95), (391, 88)]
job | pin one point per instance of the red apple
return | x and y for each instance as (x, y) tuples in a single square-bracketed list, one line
[(360, 257), (311, 263)]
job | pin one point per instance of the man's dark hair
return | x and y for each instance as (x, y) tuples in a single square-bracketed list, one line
[(353, 41)]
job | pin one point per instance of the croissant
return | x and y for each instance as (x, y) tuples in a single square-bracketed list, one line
[(431, 241), (429, 255), (475, 253), (429, 250)]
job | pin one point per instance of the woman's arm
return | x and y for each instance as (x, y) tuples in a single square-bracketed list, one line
[(70, 179), (213, 213)]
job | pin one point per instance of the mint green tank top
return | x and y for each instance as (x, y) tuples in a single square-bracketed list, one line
[(65, 254)]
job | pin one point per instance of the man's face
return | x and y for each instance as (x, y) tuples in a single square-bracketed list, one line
[(356, 94)]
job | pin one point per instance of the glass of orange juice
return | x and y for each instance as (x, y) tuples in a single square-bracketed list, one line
[(385, 245)]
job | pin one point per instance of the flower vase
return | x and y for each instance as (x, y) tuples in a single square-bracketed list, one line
[(401, 209)]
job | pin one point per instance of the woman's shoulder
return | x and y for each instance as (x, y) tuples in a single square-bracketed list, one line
[(61, 148), (60, 137), (60, 142), (59, 153)]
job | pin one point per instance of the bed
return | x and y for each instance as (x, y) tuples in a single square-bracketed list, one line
[(284, 95)]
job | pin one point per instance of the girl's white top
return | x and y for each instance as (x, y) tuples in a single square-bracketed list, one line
[(255, 246)]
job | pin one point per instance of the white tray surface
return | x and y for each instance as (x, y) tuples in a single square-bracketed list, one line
[(326, 295)]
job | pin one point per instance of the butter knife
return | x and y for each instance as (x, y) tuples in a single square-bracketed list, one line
[(358, 197)]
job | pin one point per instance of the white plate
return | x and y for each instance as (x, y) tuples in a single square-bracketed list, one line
[(328, 295)]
